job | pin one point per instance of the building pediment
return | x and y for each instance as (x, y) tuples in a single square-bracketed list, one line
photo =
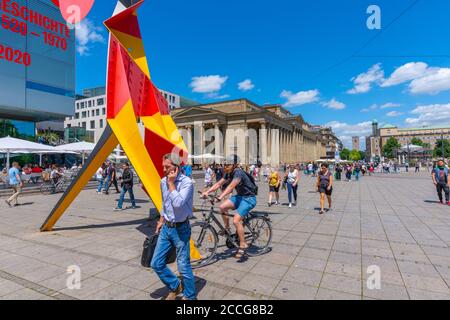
[(194, 112)]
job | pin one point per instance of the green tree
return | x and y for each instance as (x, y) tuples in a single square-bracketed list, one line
[(345, 154), (391, 145), (442, 144), (362, 155), (417, 142), (355, 155)]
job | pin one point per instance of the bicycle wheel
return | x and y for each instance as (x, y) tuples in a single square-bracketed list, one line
[(46, 189), (205, 240), (258, 234)]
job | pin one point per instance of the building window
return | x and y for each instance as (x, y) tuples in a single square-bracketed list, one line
[(69, 125), (89, 103), (97, 112), (104, 111), (100, 101), (101, 123), (77, 115), (83, 124), (82, 105), (92, 124), (83, 114), (78, 105)]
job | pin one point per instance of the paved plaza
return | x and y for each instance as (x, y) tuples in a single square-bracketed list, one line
[(389, 221)]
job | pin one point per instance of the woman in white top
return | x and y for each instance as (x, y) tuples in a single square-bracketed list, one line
[(292, 180)]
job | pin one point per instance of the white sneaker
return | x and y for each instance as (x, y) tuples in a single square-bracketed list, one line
[(290, 205)]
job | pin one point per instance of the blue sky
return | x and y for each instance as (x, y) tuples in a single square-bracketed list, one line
[(297, 53)]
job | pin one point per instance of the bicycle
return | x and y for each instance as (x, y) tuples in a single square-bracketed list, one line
[(52, 187), (257, 228)]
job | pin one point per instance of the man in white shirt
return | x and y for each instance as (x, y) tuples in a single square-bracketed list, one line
[(209, 177)]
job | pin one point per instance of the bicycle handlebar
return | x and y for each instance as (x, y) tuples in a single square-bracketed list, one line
[(212, 199)]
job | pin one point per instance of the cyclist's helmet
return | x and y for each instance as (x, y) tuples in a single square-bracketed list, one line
[(232, 159)]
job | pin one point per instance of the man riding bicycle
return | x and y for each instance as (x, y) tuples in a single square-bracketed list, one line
[(243, 202)]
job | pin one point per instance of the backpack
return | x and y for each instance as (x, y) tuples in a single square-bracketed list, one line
[(252, 180), (436, 173)]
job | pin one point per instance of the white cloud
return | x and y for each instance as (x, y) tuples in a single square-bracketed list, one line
[(436, 80), (363, 82), (406, 73), (390, 105), (423, 79), (435, 114), (394, 114), (346, 131), (208, 84), (215, 95), (334, 104), (300, 98), (371, 108), (246, 85), (87, 34)]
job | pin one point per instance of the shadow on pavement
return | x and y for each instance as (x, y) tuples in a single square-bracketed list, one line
[(162, 292)]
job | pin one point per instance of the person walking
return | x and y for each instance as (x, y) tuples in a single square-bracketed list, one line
[(348, 172), (441, 181), (100, 176), (292, 180), (338, 172), (209, 177), (175, 231), (417, 167), (357, 171), (111, 178), (274, 187), (127, 186), (16, 184), (325, 187), (266, 173)]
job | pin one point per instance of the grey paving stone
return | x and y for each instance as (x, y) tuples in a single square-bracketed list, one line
[(342, 283), (294, 291), (310, 264), (115, 292), (327, 294), (387, 292), (303, 276), (271, 270), (257, 284)]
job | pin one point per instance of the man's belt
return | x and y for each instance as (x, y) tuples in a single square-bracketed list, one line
[(175, 224)]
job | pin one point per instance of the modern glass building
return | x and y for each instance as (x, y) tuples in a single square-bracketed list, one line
[(37, 66)]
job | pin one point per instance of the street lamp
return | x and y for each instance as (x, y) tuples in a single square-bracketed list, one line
[(442, 144)]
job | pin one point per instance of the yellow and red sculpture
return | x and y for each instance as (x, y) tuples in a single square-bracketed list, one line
[(131, 96)]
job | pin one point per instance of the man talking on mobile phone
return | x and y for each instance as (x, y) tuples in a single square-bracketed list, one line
[(174, 230)]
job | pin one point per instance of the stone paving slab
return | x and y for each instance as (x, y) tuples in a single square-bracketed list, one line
[(389, 221)]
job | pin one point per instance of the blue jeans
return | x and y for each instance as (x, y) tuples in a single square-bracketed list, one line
[(100, 186), (357, 175), (180, 238), (122, 196), (108, 180), (292, 191)]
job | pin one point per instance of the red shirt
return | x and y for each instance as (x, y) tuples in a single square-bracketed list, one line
[(36, 170)]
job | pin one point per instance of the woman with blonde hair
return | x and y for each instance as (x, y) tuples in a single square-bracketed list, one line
[(274, 187)]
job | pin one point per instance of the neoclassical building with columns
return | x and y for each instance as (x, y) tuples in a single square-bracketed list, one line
[(269, 134)]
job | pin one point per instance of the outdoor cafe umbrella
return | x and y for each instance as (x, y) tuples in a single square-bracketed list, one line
[(10, 146), (82, 148)]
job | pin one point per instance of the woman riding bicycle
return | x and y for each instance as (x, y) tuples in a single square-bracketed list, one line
[(243, 202), (55, 174)]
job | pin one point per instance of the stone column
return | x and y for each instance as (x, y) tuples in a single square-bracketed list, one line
[(218, 141), (188, 141), (263, 150)]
